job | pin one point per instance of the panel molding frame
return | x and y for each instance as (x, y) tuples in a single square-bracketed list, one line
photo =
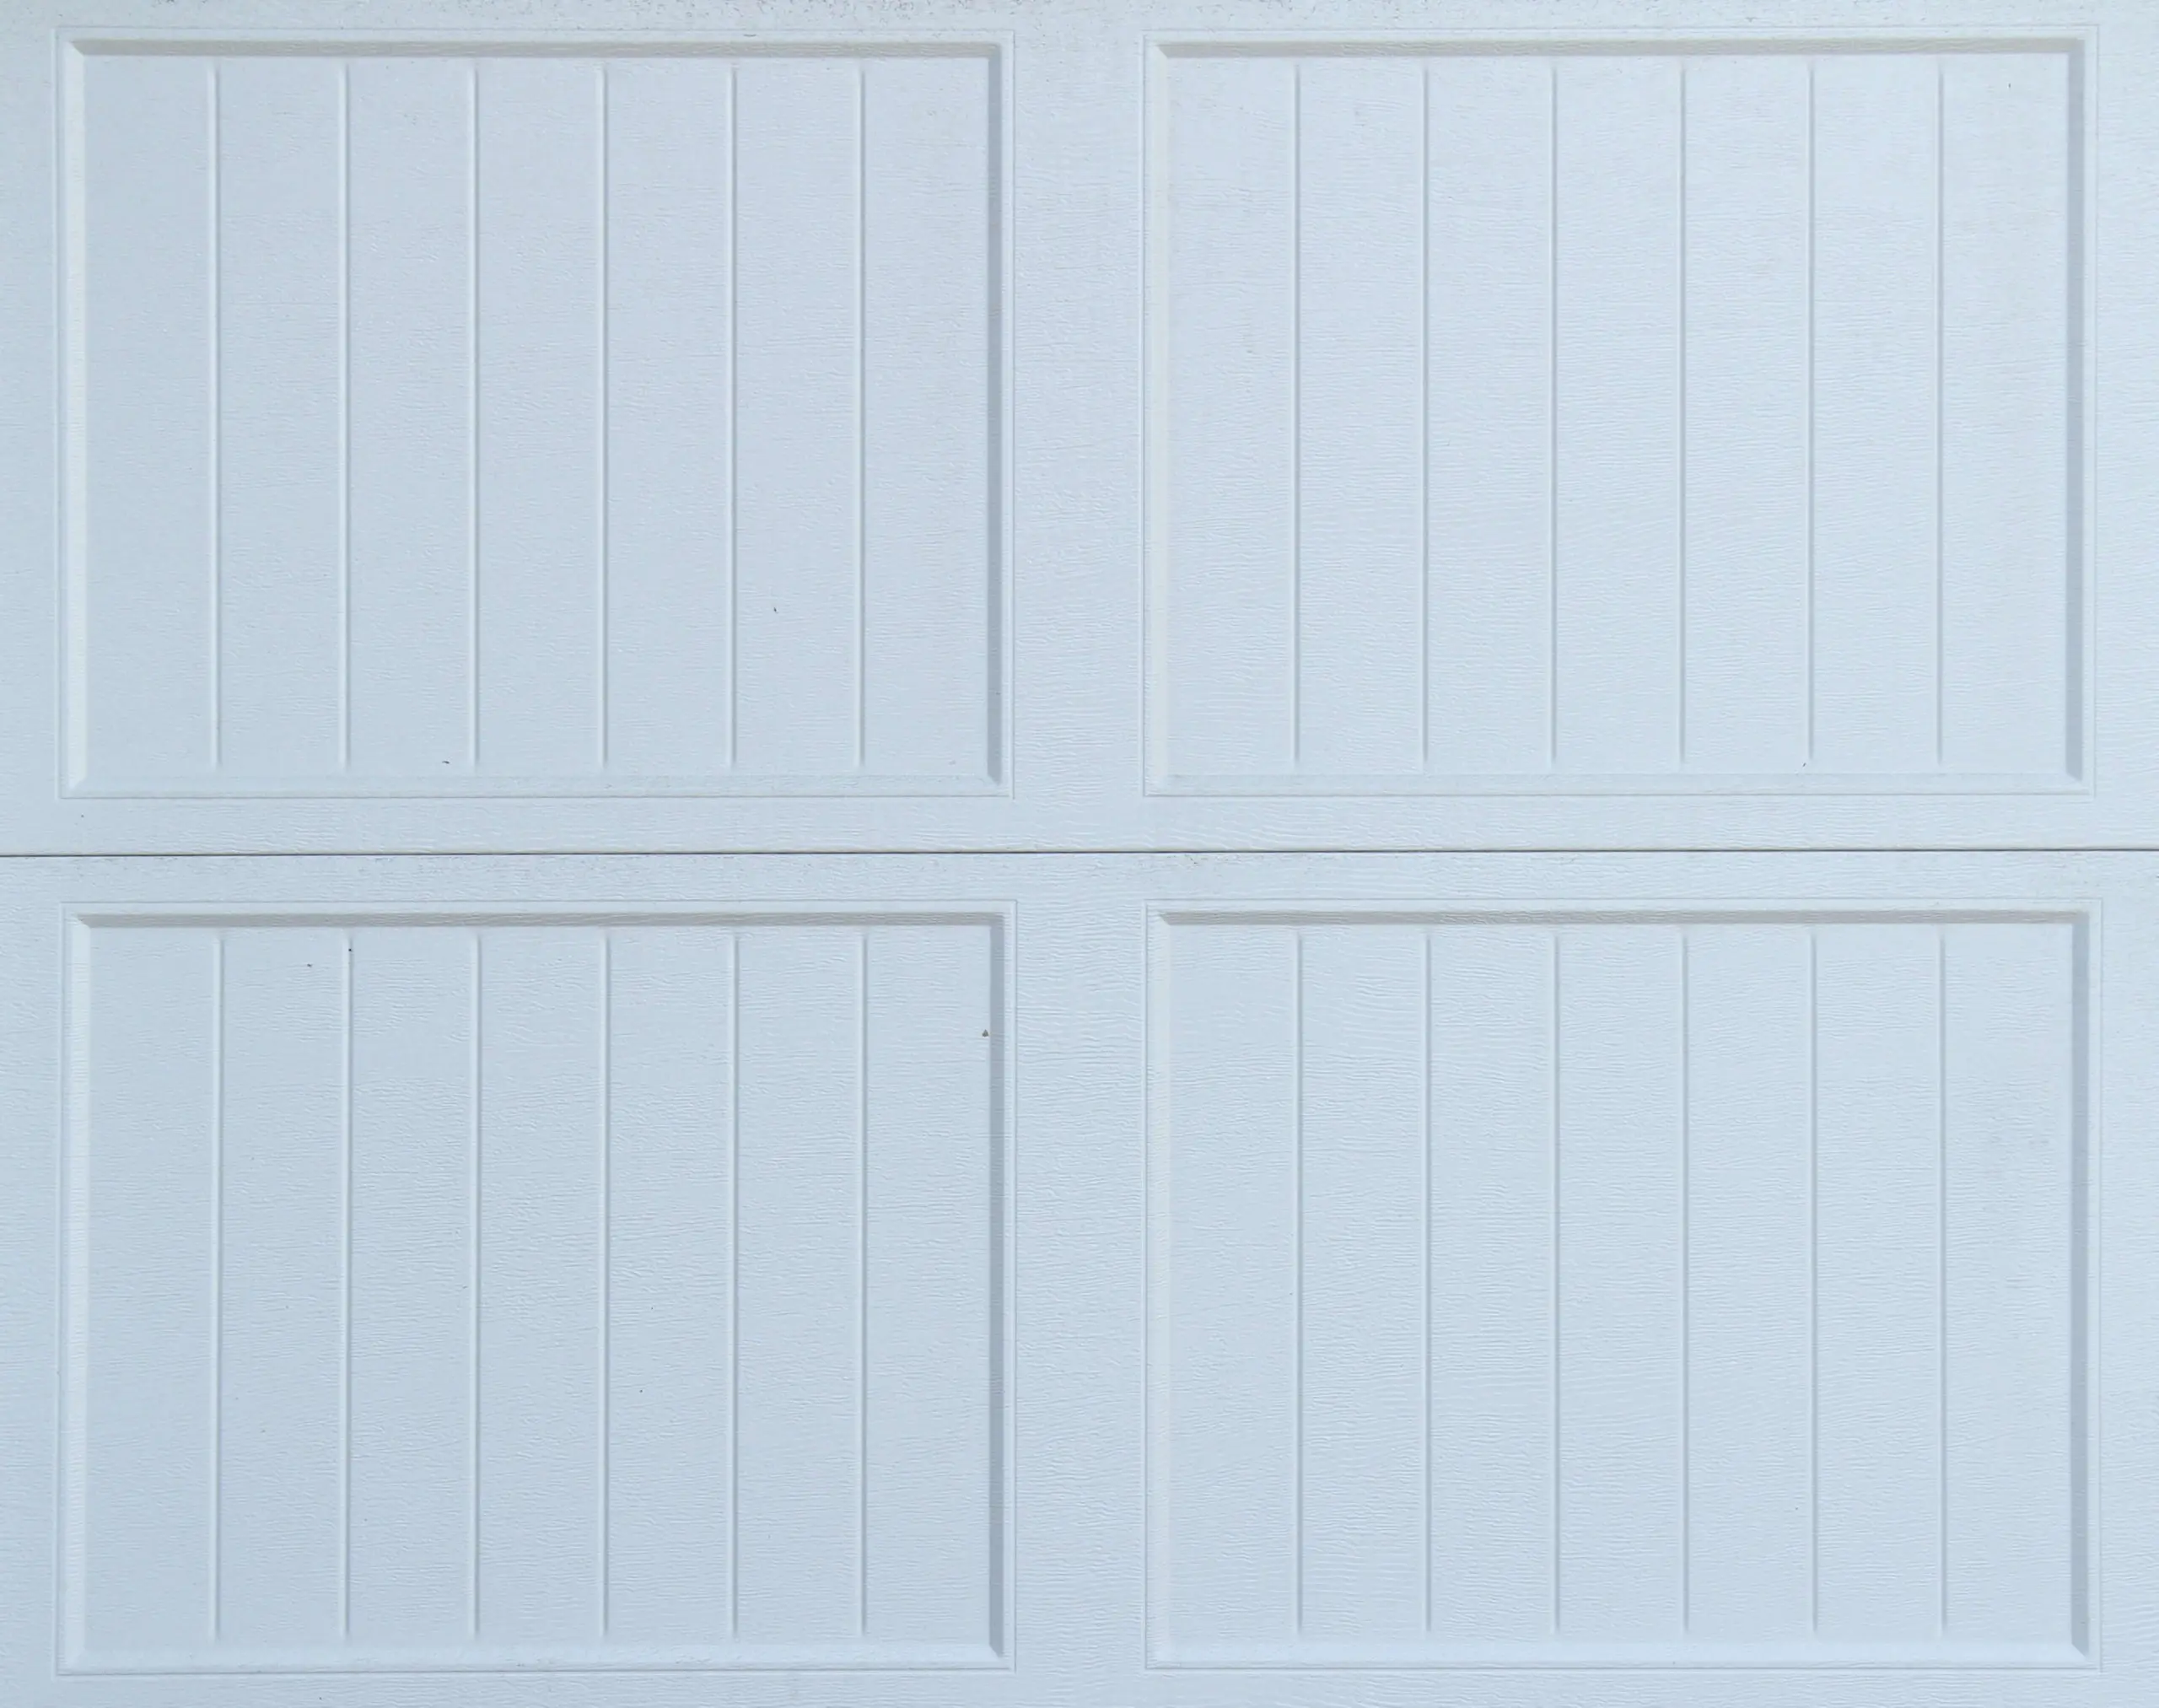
[(2082, 1652), (72, 1657), (73, 44), (2077, 777)]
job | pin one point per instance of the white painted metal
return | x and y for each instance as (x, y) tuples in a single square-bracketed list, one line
[(1118, 426), (1082, 1280)]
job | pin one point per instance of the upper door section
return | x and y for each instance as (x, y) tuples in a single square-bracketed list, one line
[(805, 430)]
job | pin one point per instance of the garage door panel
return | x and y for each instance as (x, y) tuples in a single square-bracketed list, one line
[(442, 410), (1758, 1262), (484, 1291), (1714, 484)]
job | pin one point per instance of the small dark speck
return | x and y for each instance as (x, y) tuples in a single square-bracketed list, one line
[(985, 1032)]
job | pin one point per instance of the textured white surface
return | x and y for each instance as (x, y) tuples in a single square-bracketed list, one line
[(480, 1219)]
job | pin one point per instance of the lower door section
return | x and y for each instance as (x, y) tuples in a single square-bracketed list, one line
[(1079, 1280)]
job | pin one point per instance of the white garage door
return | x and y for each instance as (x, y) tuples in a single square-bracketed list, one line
[(1078, 857)]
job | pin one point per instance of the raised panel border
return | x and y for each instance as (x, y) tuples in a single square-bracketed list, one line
[(72, 776), (2076, 778), (71, 1657), (2082, 1651)]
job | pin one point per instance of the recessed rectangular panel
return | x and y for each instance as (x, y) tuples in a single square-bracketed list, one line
[(480, 1291), (1600, 1288), (1609, 418), (521, 422)]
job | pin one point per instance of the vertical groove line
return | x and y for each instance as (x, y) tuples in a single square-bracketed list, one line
[(1297, 1242), (473, 1294), (217, 1283), (345, 1305), (1813, 1283), (604, 530), (1426, 1123), (734, 417), (1557, 1482), (1686, 1286), (1297, 438), (1682, 412), (472, 441), (733, 1278), (1811, 193), (606, 1269), (861, 411), (1941, 297), (1552, 448), (1424, 488), (862, 1281), (1942, 1231), (216, 145), (344, 415)]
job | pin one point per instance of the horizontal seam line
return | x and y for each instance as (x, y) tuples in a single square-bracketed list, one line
[(1275, 851)]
